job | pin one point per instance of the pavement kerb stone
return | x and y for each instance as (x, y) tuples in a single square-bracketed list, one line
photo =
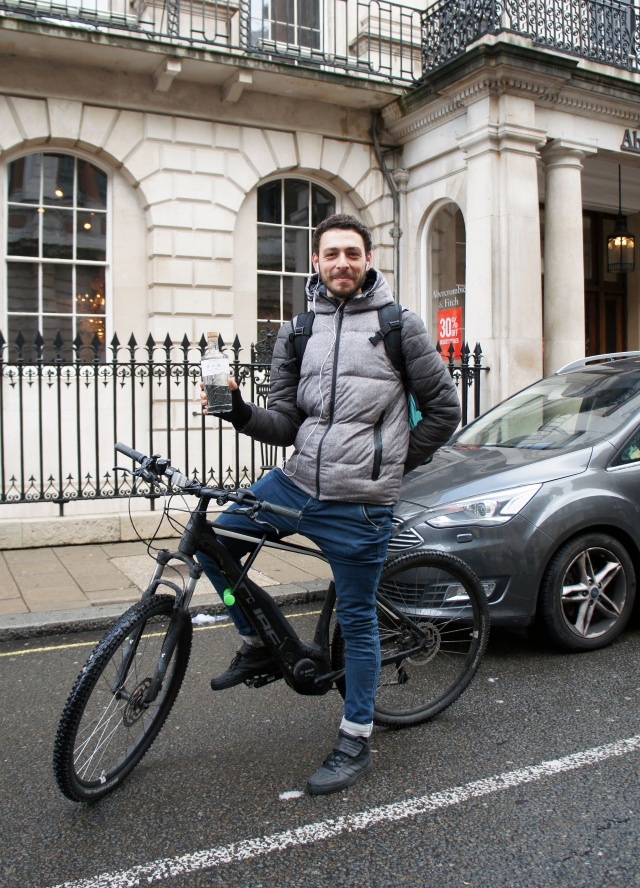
[(14, 627)]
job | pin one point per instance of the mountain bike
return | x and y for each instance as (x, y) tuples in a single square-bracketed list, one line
[(432, 614)]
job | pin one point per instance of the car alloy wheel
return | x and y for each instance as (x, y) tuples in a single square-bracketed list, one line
[(587, 593)]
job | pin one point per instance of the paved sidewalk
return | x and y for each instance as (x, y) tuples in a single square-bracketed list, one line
[(69, 588)]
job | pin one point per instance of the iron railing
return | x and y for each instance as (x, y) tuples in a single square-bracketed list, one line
[(603, 31), (375, 38), (64, 405)]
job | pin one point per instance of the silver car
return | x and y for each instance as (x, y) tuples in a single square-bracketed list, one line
[(541, 497)]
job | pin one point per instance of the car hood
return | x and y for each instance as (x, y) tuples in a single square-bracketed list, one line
[(457, 472)]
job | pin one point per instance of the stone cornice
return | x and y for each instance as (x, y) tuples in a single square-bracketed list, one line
[(550, 81)]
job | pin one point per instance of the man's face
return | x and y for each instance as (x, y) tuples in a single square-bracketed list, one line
[(341, 262)]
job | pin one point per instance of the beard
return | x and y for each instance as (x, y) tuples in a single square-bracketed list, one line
[(346, 292)]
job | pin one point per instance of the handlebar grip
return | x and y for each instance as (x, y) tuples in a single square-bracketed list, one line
[(281, 510), (130, 452)]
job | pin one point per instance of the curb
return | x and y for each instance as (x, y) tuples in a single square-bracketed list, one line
[(20, 626)]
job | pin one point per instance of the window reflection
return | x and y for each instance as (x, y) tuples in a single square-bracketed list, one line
[(56, 248)]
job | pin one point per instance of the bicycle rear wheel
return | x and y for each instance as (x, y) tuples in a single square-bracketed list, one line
[(433, 621), (107, 726)]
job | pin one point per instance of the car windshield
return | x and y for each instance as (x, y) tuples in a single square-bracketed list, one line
[(574, 410)]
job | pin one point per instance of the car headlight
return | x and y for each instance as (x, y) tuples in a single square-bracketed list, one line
[(487, 510)]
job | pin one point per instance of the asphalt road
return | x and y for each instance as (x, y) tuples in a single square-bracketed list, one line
[(469, 799)]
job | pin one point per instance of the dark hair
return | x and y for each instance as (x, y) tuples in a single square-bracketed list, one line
[(342, 220)]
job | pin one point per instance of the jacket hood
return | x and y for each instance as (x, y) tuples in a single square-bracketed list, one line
[(375, 293)]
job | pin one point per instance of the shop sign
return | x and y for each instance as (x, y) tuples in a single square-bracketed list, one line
[(630, 141), (450, 330)]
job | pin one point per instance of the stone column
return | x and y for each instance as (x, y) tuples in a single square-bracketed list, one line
[(563, 253), (403, 292), (503, 298)]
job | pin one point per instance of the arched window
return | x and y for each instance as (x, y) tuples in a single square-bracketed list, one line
[(56, 249), (448, 278), (288, 212)]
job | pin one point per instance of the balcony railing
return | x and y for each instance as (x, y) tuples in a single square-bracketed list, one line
[(604, 31), (374, 38), (64, 405)]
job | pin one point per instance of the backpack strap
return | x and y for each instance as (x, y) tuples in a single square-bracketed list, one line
[(301, 329), (390, 332)]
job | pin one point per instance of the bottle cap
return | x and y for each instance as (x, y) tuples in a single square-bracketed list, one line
[(212, 336)]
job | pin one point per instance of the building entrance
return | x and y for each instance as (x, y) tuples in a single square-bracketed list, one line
[(605, 292)]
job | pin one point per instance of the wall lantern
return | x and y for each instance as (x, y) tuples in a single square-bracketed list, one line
[(621, 245)]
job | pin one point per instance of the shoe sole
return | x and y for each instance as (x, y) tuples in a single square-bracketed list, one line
[(327, 789)]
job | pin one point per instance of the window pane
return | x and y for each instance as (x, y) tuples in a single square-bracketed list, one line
[(22, 286), (294, 296), (269, 203), (90, 298), (57, 180), (88, 328), (57, 295), (22, 236), (309, 13), (269, 297), (91, 236), (269, 248), (296, 202), (24, 179), (54, 324), (29, 326), (322, 205), (307, 37), (57, 234), (296, 245), (92, 186)]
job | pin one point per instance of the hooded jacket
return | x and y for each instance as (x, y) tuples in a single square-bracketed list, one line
[(346, 411)]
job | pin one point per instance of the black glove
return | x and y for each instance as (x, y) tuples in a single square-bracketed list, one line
[(240, 413)]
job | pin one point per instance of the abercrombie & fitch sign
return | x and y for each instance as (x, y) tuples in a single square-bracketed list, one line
[(630, 141)]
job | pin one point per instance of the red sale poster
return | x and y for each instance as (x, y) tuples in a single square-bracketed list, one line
[(450, 330)]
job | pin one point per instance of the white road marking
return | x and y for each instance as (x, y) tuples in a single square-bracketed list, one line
[(172, 867)]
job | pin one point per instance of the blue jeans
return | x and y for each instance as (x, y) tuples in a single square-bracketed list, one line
[(353, 537)]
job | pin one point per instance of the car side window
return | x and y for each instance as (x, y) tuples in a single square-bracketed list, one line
[(630, 452)]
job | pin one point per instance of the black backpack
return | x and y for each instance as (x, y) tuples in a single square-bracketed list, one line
[(390, 320)]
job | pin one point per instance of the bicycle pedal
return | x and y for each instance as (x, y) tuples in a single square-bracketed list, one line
[(259, 681)]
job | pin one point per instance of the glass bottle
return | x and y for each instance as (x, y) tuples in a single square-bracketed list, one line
[(215, 376)]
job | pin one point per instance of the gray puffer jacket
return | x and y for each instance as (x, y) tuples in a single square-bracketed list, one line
[(346, 412)]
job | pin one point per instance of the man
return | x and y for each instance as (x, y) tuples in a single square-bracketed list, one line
[(345, 413)]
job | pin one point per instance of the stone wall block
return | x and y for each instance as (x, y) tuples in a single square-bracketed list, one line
[(257, 151), (228, 195), (356, 165), (223, 246), (160, 127), (171, 214), (96, 125), (226, 136), (241, 172), (193, 301), (177, 157), (10, 134), (32, 118), (213, 273), (161, 300), (333, 155), (283, 148), (64, 119), (209, 161), (171, 270), (127, 133), (144, 161), (189, 186), (310, 151), (195, 244), (194, 132), (157, 188)]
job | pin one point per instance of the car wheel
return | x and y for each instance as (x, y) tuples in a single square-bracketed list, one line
[(587, 594)]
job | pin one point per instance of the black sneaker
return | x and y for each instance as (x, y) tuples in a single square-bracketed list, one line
[(248, 662), (350, 759)]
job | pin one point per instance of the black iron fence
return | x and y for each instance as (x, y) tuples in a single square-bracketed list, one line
[(64, 405), (603, 31)]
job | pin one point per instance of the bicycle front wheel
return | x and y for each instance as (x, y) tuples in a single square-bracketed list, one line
[(433, 621), (109, 722)]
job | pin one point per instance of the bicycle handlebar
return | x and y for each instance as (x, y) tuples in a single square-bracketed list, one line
[(152, 468)]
